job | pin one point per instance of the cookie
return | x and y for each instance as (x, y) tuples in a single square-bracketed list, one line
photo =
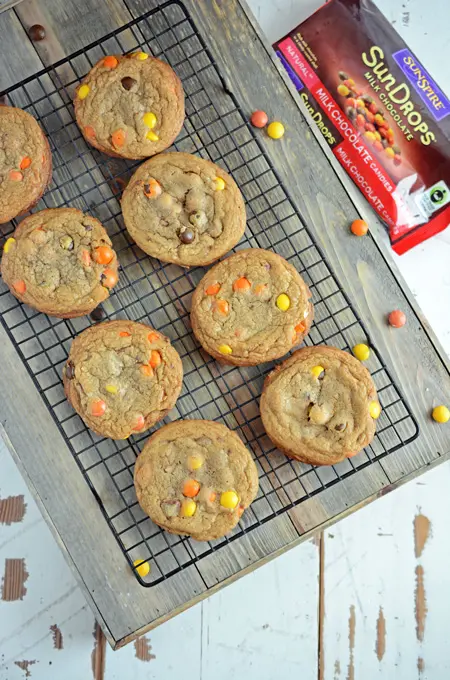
[(250, 308), (60, 262), (317, 405), (183, 209), (121, 377), (130, 106), (25, 162), (195, 478)]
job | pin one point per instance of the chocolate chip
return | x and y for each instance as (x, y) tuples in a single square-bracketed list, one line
[(97, 314), (343, 75), (128, 83), (340, 427), (186, 235), (37, 32), (70, 370), (88, 227)]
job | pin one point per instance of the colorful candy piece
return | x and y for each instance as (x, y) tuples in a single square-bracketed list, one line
[(83, 91), (147, 370), (109, 278), (343, 90), (222, 307), (118, 138), (152, 336), (213, 289), (20, 287), (124, 334), (110, 62), (212, 497), (25, 163), (103, 255), (242, 284), (260, 288), (229, 500), (361, 351), (142, 56), (98, 408), (111, 389), (15, 176), (194, 462), (66, 242), (155, 358), (149, 119), (139, 423), (89, 132), (318, 372), (152, 188), (152, 136), (397, 318), (142, 568), (127, 82), (359, 227), (374, 409), (441, 414), (225, 349), (389, 151), (219, 184), (186, 235), (283, 302), (259, 119), (9, 244), (188, 508), (300, 328), (191, 488), (275, 130), (85, 258)]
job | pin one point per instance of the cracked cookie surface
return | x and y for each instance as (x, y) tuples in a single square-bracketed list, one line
[(195, 477), (60, 262), (251, 308), (121, 377), (25, 162), (183, 209), (316, 405), (130, 106)]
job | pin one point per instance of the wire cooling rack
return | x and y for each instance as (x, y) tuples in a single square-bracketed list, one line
[(160, 294)]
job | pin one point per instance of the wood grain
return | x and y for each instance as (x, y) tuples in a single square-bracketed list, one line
[(123, 609)]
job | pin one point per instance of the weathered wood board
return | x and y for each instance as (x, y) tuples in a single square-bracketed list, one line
[(117, 599)]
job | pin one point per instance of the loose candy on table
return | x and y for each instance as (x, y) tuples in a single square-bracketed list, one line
[(259, 119), (37, 33), (142, 568), (397, 318), (361, 351), (359, 227), (97, 314), (441, 414), (275, 130)]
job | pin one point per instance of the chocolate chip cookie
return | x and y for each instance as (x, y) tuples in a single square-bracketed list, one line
[(183, 209), (121, 377), (130, 105), (60, 262), (25, 162), (195, 478), (252, 307), (320, 405)]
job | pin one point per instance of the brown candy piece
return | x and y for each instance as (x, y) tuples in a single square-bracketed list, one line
[(128, 82), (97, 314), (37, 32), (186, 235)]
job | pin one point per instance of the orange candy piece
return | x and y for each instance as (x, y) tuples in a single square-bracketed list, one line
[(147, 370), (98, 408), (222, 307), (15, 176), (110, 62), (19, 287), (260, 288), (191, 488), (89, 131), (124, 334), (300, 327), (152, 188), (25, 163), (139, 423), (152, 337), (118, 138), (86, 258), (241, 284), (109, 278), (213, 290), (212, 496), (155, 358), (103, 255), (359, 227)]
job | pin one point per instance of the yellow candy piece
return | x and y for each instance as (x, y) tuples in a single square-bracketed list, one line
[(9, 244), (225, 349), (361, 352), (219, 184), (142, 56), (151, 136), (275, 130), (194, 462), (441, 414), (83, 91), (112, 389), (317, 370), (188, 508), (142, 568), (229, 500), (149, 120), (283, 302), (374, 409)]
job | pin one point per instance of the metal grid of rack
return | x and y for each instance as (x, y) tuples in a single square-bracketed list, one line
[(159, 294)]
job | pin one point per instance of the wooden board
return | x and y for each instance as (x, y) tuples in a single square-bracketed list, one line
[(118, 601)]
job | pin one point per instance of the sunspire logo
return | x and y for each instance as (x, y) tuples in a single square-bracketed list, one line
[(423, 83)]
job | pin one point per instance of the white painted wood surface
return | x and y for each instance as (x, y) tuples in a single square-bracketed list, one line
[(384, 594)]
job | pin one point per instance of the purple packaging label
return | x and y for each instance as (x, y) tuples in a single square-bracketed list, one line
[(292, 75), (432, 96)]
